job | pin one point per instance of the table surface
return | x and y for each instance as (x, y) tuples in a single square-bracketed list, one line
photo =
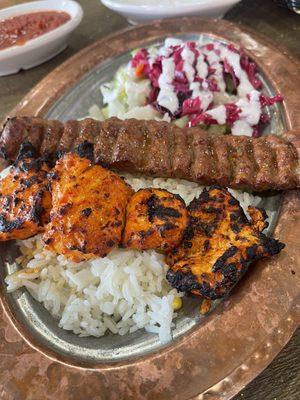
[(281, 380)]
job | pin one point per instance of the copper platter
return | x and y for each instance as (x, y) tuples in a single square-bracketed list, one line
[(217, 355)]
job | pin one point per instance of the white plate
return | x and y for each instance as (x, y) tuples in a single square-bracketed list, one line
[(44, 47), (138, 11)]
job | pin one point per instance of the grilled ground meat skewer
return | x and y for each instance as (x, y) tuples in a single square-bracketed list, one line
[(164, 150)]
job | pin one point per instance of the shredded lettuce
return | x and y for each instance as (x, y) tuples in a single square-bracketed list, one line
[(96, 113), (182, 122), (145, 112), (125, 93)]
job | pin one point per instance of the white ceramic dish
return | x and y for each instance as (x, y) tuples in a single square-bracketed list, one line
[(138, 11), (44, 47)]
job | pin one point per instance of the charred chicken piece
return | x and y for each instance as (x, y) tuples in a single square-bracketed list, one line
[(89, 204), (25, 200), (155, 219), (218, 245)]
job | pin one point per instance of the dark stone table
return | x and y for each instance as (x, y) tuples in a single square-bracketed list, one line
[(281, 380)]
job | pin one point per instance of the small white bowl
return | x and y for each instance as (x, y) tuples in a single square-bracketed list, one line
[(38, 50), (138, 11)]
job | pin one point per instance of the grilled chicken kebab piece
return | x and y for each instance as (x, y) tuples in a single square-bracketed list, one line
[(89, 203), (25, 200), (218, 246), (155, 219), (162, 149)]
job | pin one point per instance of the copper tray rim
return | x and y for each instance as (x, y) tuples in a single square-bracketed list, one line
[(36, 103)]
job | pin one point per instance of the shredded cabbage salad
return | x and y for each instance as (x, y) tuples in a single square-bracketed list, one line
[(214, 85)]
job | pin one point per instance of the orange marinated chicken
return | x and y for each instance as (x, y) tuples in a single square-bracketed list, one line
[(25, 200), (89, 204), (218, 245), (155, 219), (258, 218)]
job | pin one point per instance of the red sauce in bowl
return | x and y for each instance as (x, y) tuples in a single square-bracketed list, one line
[(21, 28)]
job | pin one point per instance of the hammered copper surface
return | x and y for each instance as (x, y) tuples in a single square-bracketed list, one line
[(217, 358)]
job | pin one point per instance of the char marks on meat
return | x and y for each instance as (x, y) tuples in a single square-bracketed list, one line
[(162, 149), (218, 245)]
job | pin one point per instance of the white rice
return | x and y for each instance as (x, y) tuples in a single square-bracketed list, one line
[(121, 293)]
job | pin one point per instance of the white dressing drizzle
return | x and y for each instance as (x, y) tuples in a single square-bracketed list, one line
[(214, 62), (250, 109), (188, 57), (173, 42), (245, 87), (206, 97), (219, 114), (241, 127), (167, 97), (201, 67), (233, 59)]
